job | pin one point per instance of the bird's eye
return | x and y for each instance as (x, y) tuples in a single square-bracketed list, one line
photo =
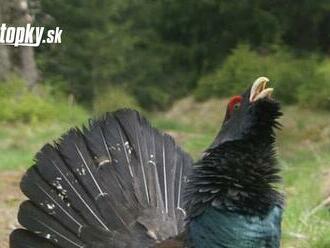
[(236, 106)]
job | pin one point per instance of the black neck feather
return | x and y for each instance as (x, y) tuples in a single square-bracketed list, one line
[(239, 175)]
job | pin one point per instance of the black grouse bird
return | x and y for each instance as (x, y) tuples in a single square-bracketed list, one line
[(121, 183)]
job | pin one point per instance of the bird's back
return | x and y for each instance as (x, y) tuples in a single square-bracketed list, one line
[(216, 228)]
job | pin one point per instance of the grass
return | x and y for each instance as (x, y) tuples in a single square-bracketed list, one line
[(304, 145), (19, 142)]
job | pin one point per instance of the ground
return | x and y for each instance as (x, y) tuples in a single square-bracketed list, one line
[(303, 146), (10, 197)]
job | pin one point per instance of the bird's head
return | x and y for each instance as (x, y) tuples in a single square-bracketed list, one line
[(250, 115)]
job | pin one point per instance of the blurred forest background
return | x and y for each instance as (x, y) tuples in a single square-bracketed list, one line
[(177, 61), (151, 53)]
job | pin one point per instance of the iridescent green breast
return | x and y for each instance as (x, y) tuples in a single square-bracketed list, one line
[(219, 228)]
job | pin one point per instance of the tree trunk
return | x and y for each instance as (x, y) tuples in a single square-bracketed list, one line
[(28, 67), (21, 59), (5, 64)]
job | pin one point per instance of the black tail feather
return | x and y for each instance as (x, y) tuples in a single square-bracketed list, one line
[(59, 174), (44, 196), (117, 183), (21, 238), (48, 227)]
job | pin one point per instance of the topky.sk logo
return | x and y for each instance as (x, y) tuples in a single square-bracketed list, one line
[(29, 35)]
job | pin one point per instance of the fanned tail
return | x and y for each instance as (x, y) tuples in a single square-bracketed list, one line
[(117, 183)]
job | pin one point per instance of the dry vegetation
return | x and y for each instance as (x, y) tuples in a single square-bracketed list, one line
[(10, 196)]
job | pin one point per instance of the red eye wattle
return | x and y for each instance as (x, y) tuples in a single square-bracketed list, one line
[(234, 103)]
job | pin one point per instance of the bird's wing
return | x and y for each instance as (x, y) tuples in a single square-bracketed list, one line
[(117, 183)]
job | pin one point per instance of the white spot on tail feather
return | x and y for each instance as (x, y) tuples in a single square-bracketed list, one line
[(152, 234)]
